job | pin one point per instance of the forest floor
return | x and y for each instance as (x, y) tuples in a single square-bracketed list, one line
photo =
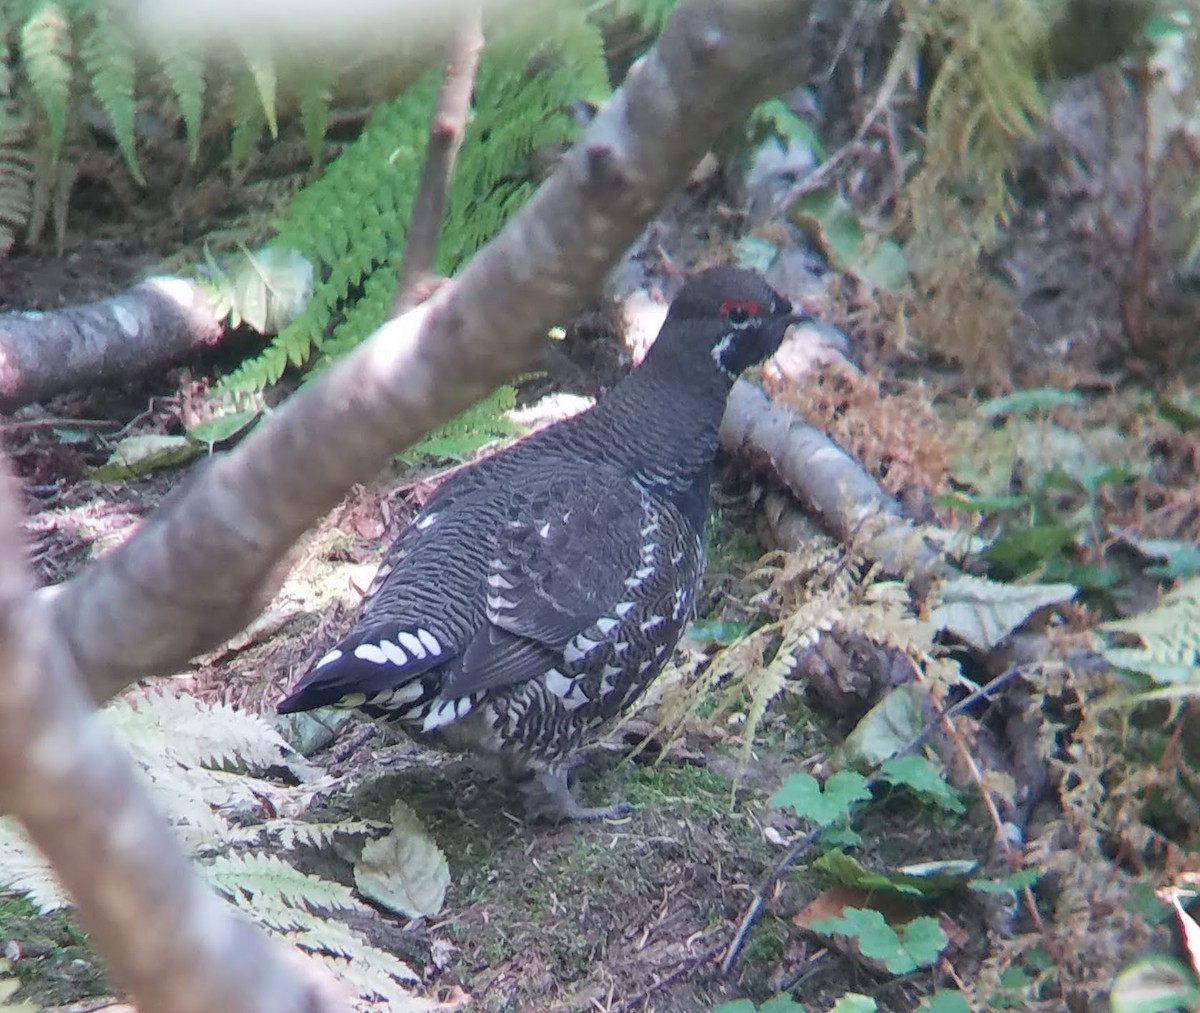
[(636, 913)]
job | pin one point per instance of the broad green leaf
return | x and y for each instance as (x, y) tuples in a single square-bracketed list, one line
[(405, 871), (924, 880), (1025, 547), (222, 427), (1009, 884), (832, 223), (781, 1004), (717, 631), (138, 455), (774, 117), (755, 253), (824, 806), (918, 944), (266, 288), (886, 728), (944, 1001), (920, 776)]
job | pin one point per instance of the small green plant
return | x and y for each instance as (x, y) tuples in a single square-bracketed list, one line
[(918, 943), (1037, 492)]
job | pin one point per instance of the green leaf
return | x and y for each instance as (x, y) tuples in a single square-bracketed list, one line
[(46, 52), (138, 455), (184, 69), (736, 1006), (832, 224), (886, 728), (924, 880), (945, 1001), (1154, 985), (1009, 884), (824, 806), (717, 631), (405, 871), (1026, 547), (755, 253), (774, 118), (222, 427), (1022, 402), (266, 288), (781, 1004), (109, 58), (920, 776), (853, 1002), (918, 944), (261, 66)]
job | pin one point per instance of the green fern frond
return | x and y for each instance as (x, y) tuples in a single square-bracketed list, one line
[(481, 424), (16, 186), (248, 120), (46, 50), (315, 91), (350, 224), (222, 738), (24, 869), (985, 99), (268, 884), (291, 833), (517, 112), (293, 904), (1170, 640), (184, 70), (108, 57), (261, 67)]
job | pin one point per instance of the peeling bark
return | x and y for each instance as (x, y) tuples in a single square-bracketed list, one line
[(192, 575), (152, 325)]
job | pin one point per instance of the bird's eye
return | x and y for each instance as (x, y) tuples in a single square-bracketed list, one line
[(739, 311)]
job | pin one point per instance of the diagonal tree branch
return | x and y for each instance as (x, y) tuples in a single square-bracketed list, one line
[(196, 572), (447, 125), (167, 938)]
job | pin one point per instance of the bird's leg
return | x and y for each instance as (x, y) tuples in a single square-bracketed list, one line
[(548, 797)]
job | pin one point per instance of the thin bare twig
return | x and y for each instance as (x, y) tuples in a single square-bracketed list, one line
[(447, 125), (806, 841)]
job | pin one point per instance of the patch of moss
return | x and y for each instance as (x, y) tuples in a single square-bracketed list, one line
[(51, 956)]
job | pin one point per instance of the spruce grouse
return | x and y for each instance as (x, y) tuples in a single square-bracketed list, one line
[(542, 589)]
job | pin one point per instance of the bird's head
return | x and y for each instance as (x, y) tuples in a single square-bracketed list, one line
[(731, 315)]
